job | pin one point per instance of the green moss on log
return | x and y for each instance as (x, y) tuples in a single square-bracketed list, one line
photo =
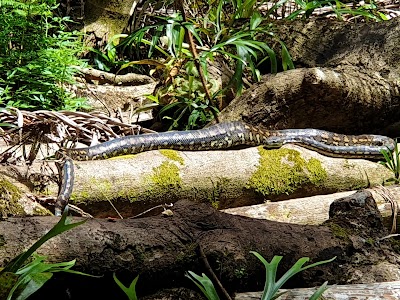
[(9, 196), (172, 155), (283, 171)]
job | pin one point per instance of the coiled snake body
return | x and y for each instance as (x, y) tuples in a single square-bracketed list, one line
[(223, 136)]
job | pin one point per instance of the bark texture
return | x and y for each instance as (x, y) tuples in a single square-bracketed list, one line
[(346, 80), (225, 179), (161, 249)]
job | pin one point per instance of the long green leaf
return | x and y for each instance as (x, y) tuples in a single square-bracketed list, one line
[(287, 62), (59, 228), (318, 293), (130, 291), (208, 288)]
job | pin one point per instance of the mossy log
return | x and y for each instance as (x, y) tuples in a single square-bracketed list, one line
[(223, 178), (161, 248)]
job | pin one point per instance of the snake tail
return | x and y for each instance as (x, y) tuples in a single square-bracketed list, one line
[(66, 178)]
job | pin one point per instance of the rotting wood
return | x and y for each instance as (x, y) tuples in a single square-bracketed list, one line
[(165, 247)]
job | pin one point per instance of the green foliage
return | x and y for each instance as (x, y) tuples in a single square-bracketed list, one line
[(37, 56), (368, 11), (130, 291), (109, 60), (184, 98), (392, 163), (271, 285), (35, 274), (23, 279), (204, 284), (233, 30), (191, 108)]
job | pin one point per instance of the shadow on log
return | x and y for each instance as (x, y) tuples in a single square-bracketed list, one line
[(161, 249)]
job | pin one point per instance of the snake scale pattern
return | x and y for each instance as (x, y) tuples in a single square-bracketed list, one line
[(224, 136)]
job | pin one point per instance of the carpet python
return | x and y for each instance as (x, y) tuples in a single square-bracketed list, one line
[(223, 136)]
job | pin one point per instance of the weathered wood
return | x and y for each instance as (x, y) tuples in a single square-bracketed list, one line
[(161, 249), (227, 178), (314, 210), (381, 290), (346, 80)]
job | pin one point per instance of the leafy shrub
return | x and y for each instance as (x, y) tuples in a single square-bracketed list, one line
[(37, 56)]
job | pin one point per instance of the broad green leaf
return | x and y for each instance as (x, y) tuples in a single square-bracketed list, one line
[(271, 287), (205, 285), (35, 282), (130, 291)]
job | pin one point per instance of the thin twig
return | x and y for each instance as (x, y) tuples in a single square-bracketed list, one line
[(193, 49), (214, 277), (164, 206)]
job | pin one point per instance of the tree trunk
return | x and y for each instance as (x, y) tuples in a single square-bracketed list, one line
[(346, 80)]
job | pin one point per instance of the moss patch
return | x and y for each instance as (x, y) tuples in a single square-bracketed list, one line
[(338, 231), (165, 176), (103, 186), (282, 171), (219, 191), (164, 182), (9, 196), (7, 282), (172, 155)]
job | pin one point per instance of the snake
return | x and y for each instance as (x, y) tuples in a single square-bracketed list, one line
[(222, 136)]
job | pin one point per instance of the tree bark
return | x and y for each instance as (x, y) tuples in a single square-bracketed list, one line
[(346, 80), (226, 179), (161, 249)]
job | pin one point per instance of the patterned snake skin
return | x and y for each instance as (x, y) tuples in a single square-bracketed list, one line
[(223, 136), (227, 135)]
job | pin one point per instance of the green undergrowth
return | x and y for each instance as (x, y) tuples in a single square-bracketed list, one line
[(38, 56)]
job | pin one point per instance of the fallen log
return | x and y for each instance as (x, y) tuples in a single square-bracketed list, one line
[(380, 290), (225, 179), (314, 210), (342, 81), (161, 249)]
